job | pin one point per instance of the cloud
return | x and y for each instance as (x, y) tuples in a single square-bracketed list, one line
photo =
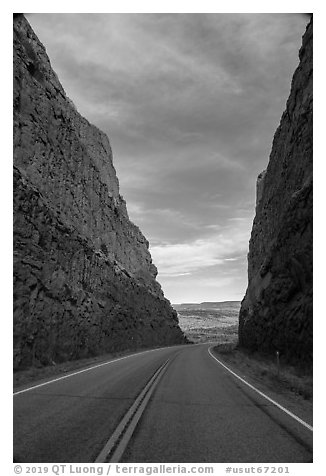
[(183, 258), (193, 256), (190, 103)]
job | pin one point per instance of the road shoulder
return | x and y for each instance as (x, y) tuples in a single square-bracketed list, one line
[(263, 376)]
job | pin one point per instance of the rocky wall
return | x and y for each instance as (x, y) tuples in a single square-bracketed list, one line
[(84, 281), (276, 312)]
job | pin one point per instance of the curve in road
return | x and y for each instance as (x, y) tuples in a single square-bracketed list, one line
[(198, 412)]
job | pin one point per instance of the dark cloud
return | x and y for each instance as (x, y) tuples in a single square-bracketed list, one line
[(190, 103)]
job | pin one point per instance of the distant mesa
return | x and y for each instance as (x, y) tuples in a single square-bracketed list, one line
[(208, 305)]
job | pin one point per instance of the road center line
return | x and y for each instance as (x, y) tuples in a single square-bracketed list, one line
[(292, 415), (86, 370), (117, 444)]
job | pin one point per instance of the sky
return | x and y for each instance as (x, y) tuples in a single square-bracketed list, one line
[(190, 103)]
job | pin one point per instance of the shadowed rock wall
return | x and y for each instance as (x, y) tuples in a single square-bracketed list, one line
[(84, 281), (276, 313)]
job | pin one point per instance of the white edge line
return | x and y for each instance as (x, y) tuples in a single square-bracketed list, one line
[(86, 370), (262, 394)]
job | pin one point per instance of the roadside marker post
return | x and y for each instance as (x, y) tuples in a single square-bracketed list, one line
[(278, 363)]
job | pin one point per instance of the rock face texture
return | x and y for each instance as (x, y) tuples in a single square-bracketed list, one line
[(84, 281), (276, 313)]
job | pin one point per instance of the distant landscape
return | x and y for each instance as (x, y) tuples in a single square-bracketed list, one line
[(209, 321)]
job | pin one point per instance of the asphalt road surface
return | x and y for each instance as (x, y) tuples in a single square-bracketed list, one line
[(198, 412)]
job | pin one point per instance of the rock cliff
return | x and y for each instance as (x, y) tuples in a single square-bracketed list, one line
[(276, 313), (84, 281)]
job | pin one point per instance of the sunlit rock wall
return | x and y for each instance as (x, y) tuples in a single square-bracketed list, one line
[(84, 281), (276, 313)]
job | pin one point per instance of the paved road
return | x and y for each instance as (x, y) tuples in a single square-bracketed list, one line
[(199, 412)]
